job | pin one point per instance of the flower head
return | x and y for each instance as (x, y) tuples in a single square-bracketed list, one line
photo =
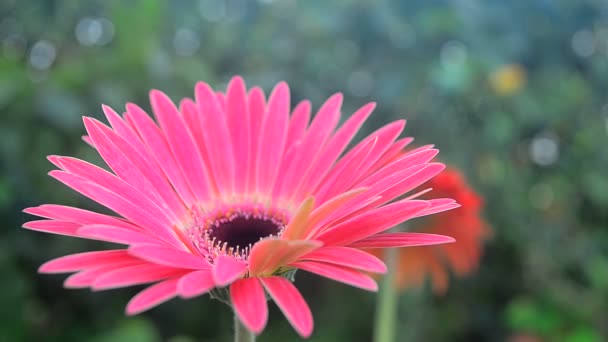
[(466, 225), (233, 190)]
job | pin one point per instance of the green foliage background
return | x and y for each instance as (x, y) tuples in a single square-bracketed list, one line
[(544, 274)]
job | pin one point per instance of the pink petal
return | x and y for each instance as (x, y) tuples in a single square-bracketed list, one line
[(53, 227), (313, 141), (249, 301), (380, 140), (123, 129), (157, 143), (388, 240), (386, 137), (348, 257), (384, 184), (411, 182), (93, 174), (342, 173), (394, 185), (88, 140), (221, 100), (298, 123), (77, 215), (237, 112), (336, 146), (195, 284), (257, 110), (439, 205), (217, 138), (169, 256), (291, 303), (194, 121), (152, 296), (80, 261), (148, 218), (86, 277), (297, 127), (371, 222), (136, 167), (403, 163), (402, 159), (134, 275), (227, 269), (344, 213), (182, 145), (115, 234), (272, 137), (393, 151), (326, 209), (338, 273)]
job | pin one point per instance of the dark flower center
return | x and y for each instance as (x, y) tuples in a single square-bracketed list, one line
[(237, 234)]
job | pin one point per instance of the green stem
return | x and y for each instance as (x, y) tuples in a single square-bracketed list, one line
[(241, 333), (386, 309)]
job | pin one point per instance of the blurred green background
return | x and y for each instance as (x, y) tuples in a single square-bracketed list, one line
[(512, 92)]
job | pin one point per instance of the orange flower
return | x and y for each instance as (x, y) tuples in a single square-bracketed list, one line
[(465, 224)]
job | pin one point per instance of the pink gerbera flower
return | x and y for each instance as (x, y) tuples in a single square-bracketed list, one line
[(231, 190)]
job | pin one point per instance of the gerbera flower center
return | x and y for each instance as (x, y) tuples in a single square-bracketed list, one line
[(235, 233)]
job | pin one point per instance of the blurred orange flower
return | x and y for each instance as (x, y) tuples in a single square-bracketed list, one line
[(507, 79), (465, 224)]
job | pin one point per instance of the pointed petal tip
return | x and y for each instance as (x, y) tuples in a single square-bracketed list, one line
[(73, 282), (130, 310), (305, 333), (130, 106), (87, 120), (200, 86), (203, 92), (56, 174), (70, 286), (27, 225), (445, 239), (89, 124), (156, 93), (455, 206), (30, 210), (337, 97), (55, 159), (382, 270), (185, 102), (282, 88), (87, 140), (108, 110), (237, 81), (373, 288), (152, 296), (47, 268)]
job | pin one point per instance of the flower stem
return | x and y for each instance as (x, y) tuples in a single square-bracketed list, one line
[(241, 333), (386, 308)]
